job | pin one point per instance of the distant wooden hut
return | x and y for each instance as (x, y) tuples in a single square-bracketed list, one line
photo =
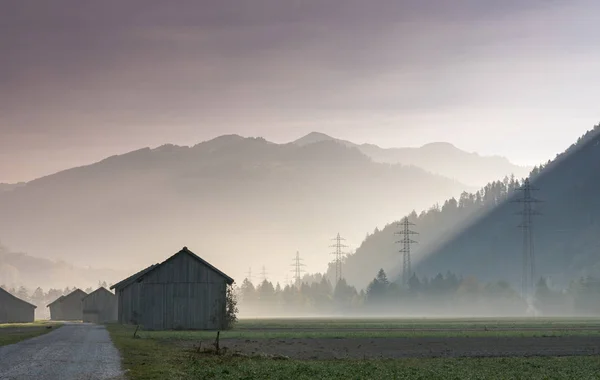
[(69, 307), (15, 310), (183, 292), (100, 306)]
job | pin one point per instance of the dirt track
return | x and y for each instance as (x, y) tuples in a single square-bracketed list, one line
[(369, 348)]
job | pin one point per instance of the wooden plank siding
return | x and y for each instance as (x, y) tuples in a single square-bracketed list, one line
[(15, 310), (99, 307), (183, 292), (69, 307), (128, 300)]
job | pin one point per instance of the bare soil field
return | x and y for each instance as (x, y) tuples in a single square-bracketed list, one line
[(417, 347)]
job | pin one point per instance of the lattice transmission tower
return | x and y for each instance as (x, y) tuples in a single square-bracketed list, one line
[(249, 274), (339, 255), (263, 273), (527, 214), (298, 269), (406, 242)]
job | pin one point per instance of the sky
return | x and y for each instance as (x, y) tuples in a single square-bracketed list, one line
[(80, 81)]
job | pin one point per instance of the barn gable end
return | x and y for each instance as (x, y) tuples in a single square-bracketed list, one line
[(14, 309), (69, 307), (183, 292), (100, 306)]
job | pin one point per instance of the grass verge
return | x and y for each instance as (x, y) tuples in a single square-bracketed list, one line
[(159, 356), (11, 333)]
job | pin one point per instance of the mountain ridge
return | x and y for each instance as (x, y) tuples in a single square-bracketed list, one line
[(441, 158)]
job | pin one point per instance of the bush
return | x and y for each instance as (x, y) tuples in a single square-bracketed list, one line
[(231, 308)]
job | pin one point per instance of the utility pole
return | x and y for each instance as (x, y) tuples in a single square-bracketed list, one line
[(297, 269), (264, 273), (338, 257), (249, 274), (406, 241), (527, 214)]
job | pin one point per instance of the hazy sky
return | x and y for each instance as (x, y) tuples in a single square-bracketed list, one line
[(80, 80)]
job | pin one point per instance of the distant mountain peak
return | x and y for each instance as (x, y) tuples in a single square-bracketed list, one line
[(440, 145), (313, 137)]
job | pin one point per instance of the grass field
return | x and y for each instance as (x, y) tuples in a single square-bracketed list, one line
[(415, 323), (396, 328), (11, 333), (173, 354)]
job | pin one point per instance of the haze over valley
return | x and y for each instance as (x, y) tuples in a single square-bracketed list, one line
[(232, 198)]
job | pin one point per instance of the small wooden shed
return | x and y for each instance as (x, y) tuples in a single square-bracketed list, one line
[(69, 307), (15, 310), (183, 292), (100, 306)]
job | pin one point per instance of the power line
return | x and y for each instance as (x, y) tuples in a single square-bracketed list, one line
[(297, 268), (264, 274), (406, 241), (528, 212), (338, 256)]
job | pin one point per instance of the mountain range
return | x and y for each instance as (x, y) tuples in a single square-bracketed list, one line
[(239, 202), (440, 158)]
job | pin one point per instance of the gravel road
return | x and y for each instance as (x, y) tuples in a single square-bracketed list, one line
[(77, 351)]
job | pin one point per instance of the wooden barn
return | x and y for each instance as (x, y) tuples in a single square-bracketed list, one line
[(15, 310), (184, 292), (100, 306), (69, 307)]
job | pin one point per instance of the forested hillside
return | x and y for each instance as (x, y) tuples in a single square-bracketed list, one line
[(478, 235)]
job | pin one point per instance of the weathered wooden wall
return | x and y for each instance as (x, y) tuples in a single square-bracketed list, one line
[(182, 293), (99, 307), (128, 301), (14, 310), (69, 308), (55, 312)]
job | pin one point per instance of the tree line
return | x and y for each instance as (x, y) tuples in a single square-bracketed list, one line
[(441, 295)]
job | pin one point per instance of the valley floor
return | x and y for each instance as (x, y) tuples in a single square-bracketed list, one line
[(341, 349)]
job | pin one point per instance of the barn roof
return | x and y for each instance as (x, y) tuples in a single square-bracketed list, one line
[(185, 250), (131, 279), (67, 296), (55, 301), (126, 282), (16, 298), (100, 289)]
